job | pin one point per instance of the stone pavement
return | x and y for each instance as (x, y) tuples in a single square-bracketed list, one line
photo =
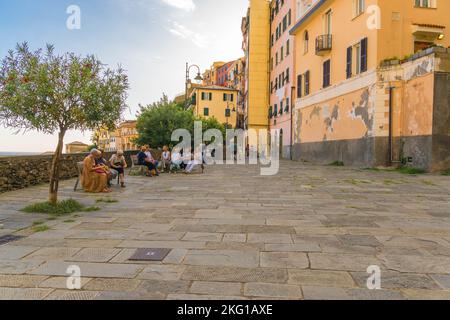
[(309, 233)]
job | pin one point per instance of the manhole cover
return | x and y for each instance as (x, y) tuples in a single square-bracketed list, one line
[(150, 254), (9, 238)]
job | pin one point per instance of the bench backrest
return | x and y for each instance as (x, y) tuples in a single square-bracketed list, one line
[(134, 160), (80, 166)]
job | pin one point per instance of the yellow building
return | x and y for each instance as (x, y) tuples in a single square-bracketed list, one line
[(127, 133), (120, 139), (217, 102), (76, 147), (256, 45), (355, 72)]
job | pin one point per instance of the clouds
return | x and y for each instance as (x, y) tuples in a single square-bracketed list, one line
[(186, 5), (181, 31)]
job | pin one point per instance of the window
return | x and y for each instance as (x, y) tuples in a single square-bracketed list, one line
[(287, 105), (275, 110), (299, 86), (359, 7), (290, 17), (326, 73), (288, 49), (425, 3), (305, 42), (327, 19), (307, 75), (270, 112), (287, 75), (358, 58), (206, 112), (203, 95), (282, 53), (364, 44), (349, 62), (285, 22), (281, 107), (228, 97), (210, 96)]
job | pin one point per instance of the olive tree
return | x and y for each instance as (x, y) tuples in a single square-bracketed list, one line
[(54, 93)]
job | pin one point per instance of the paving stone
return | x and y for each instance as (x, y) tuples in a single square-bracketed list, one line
[(128, 296), (297, 247), (269, 238), (91, 270), (100, 284), (163, 286), (366, 294), (345, 262), (176, 256), (161, 236), (442, 280), (224, 274), (72, 295), (162, 272), (227, 258), (324, 293), (49, 254), (95, 255), (272, 290), (61, 282), (17, 267), (199, 236), (397, 280), (320, 278), (163, 244), (418, 294), (284, 260), (357, 240), (216, 288), (417, 264), (21, 281), (8, 252), (23, 294), (235, 237)]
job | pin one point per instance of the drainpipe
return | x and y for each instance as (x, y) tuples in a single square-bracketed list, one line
[(292, 123), (391, 129)]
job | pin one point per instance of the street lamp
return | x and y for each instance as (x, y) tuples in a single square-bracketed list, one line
[(198, 78), (228, 111)]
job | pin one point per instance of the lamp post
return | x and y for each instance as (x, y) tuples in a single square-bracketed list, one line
[(198, 78), (228, 111)]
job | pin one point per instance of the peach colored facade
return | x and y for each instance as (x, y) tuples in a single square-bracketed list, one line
[(367, 92), (281, 66)]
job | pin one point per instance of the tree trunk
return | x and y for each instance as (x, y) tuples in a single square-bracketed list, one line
[(54, 171)]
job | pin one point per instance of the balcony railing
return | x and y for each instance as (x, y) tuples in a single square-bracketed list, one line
[(324, 44)]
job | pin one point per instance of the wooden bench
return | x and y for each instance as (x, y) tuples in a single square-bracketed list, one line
[(80, 166)]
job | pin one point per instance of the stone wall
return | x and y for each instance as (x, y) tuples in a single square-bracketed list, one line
[(24, 171)]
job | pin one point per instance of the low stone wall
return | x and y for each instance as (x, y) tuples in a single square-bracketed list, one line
[(25, 171)]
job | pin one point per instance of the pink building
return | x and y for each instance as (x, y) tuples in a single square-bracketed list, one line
[(282, 80)]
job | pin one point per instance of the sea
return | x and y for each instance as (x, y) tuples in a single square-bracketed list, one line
[(18, 154)]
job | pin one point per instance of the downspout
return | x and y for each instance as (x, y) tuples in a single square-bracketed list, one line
[(292, 122), (391, 126)]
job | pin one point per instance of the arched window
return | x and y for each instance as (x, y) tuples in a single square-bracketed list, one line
[(305, 42)]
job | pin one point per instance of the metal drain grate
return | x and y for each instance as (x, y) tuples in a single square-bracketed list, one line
[(150, 254), (9, 238)]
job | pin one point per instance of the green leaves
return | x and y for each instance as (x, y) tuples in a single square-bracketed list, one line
[(157, 121), (51, 93)]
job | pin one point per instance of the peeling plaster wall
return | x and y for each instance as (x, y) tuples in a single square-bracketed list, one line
[(354, 126)]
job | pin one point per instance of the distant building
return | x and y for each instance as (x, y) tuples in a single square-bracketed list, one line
[(76, 147), (215, 101), (256, 30), (120, 139)]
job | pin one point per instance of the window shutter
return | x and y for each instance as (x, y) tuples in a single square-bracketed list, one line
[(349, 62), (299, 86), (210, 96), (326, 73), (364, 44), (232, 97), (203, 96), (307, 75), (225, 97)]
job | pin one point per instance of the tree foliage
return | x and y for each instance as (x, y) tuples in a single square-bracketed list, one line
[(50, 93), (157, 121)]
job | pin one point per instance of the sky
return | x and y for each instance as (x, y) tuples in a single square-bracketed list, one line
[(151, 39)]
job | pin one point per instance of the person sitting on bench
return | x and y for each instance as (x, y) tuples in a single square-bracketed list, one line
[(144, 160)]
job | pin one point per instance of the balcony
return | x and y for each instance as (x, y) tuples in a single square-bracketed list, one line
[(324, 44)]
